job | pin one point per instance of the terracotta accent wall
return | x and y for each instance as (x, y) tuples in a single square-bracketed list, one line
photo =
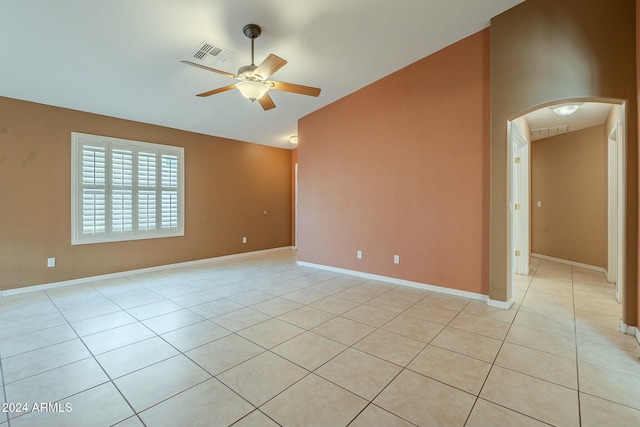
[(228, 185), (544, 51), (400, 167), (569, 178)]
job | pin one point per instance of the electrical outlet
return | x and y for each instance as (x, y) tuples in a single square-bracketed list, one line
[(359, 254), (244, 240), (51, 262), (396, 259)]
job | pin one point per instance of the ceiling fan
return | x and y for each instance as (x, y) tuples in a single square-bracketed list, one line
[(254, 81)]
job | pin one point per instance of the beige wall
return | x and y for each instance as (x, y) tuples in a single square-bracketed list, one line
[(228, 185), (398, 168), (569, 178), (544, 51)]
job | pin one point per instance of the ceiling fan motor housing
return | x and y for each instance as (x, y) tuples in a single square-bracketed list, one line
[(247, 70), (252, 31)]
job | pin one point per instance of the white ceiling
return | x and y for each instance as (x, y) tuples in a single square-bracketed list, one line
[(121, 57), (544, 123)]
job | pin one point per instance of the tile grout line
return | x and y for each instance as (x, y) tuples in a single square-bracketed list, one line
[(575, 337), (255, 410)]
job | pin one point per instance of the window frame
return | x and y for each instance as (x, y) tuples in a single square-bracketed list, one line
[(78, 236)]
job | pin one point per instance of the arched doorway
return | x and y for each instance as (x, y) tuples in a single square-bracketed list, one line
[(605, 118)]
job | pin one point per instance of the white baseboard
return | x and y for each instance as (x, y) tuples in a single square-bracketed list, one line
[(634, 331), (504, 305), (573, 263), (629, 330), (83, 280), (433, 288)]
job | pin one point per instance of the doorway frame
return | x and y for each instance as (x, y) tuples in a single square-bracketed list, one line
[(612, 206), (620, 127), (295, 206), (520, 200)]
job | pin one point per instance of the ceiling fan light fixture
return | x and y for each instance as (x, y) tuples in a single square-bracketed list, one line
[(252, 90), (254, 83), (566, 110)]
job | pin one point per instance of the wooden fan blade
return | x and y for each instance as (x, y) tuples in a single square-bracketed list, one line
[(204, 67), (266, 102), (220, 89), (294, 88), (269, 66)]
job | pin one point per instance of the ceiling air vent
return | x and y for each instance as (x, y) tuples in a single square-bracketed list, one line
[(547, 132), (207, 53)]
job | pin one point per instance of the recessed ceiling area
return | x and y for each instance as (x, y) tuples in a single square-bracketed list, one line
[(545, 123), (122, 59)]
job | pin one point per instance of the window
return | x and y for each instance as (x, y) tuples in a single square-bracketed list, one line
[(125, 190)]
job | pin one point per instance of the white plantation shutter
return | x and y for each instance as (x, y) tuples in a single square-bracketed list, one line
[(169, 191), (125, 190), (93, 189), (121, 190), (146, 191)]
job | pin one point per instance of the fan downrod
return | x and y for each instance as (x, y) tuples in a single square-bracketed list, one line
[(252, 31)]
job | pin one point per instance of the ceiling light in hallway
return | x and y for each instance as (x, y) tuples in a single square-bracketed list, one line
[(566, 110)]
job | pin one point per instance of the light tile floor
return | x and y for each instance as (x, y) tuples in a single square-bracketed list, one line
[(260, 341)]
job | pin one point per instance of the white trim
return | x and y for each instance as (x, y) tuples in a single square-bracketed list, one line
[(109, 144), (612, 206), (622, 205), (573, 263), (504, 305), (520, 195), (295, 207), (83, 280), (634, 331), (629, 330), (434, 288)]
